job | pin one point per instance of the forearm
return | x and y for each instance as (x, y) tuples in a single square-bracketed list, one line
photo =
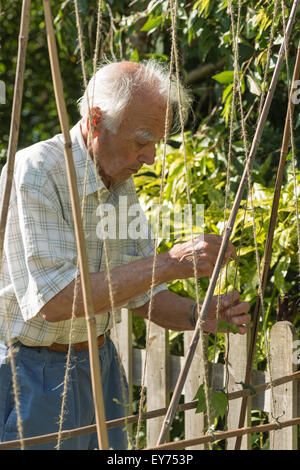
[(127, 282), (169, 311)]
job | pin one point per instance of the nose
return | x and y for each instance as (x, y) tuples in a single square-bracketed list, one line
[(148, 156)]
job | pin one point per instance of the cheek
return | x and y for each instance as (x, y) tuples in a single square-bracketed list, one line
[(127, 158)]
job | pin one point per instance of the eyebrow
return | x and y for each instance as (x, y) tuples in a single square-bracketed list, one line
[(145, 134)]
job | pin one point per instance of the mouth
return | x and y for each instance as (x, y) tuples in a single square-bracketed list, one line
[(132, 170)]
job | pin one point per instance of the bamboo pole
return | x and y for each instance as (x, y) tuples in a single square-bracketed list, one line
[(83, 261), (68, 434), (219, 436), (209, 294), (269, 243), (15, 119)]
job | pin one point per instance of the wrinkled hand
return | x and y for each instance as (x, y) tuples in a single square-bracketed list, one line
[(231, 310), (206, 248)]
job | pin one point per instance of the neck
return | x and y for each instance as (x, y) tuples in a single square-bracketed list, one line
[(85, 134)]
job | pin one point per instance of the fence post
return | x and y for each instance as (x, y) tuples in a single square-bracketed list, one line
[(285, 396), (193, 423), (237, 352), (157, 379), (121, 335)]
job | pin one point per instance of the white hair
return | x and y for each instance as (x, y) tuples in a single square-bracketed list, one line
[(112, 87)]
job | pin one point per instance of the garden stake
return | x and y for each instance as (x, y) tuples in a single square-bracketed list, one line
[(209, 294), (12, 148), (84, 270), (15, 119), (269, 243)]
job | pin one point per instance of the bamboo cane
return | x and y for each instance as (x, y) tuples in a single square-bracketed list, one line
[(68, 434), (83, 262), (219, 436), (209, 294), (15, 119), (268, 248)]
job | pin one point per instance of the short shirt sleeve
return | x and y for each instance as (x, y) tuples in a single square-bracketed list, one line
[(40, 246)]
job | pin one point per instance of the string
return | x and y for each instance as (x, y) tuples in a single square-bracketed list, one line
[(76, 284), (13, 350), (293, 145), (236, 87), (6, 194), (294, 169), (250, 196), (271, 40), (243, 120), (108, 271), (227, 194), (117, 341), (81, 44), (174, 9), (150, 306)]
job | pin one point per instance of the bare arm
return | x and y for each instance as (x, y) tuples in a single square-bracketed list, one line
[(127, 281), (172, 312), (130, 281), (169, 310)]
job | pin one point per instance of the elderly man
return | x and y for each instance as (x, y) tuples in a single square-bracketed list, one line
[(128, 105)]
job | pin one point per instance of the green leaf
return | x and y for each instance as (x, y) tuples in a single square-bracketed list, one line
[(152, 23), (202, 5), (223, 325), (227, 92), (134, 56), (200, 396), (219, 403), (224, 77), (281, 272)]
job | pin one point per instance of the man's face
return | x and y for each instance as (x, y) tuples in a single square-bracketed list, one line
[(122, 154)]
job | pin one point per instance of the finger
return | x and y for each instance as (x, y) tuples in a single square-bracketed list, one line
[(242, 330), (229, 299), (241, 320), (238, 309), (216, 241), (211, 244), (231, 251)]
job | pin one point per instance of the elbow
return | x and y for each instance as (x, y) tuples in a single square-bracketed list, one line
[(57, 309), (48, 315)]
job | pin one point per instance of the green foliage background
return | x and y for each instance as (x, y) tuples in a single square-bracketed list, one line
[(137, 30)]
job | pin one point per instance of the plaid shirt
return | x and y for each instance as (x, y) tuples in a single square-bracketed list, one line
[(40, 252)]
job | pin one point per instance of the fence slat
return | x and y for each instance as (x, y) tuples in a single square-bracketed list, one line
[(157, 379), (194, 423), (237, 361), (163, 371), (122, 339), (285, 396)]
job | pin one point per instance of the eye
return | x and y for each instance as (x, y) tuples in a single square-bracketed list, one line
[(140, 144)]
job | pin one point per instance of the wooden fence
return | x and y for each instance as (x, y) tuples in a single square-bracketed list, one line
[(163, 369)]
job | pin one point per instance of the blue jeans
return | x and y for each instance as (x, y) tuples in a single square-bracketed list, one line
[(40, 376)]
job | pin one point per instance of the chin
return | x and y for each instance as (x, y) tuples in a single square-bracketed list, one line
[(123, 177)]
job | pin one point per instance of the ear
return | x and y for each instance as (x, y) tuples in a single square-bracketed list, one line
[(96, 116)]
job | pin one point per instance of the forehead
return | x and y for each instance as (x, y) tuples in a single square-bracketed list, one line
[(145, 114)]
